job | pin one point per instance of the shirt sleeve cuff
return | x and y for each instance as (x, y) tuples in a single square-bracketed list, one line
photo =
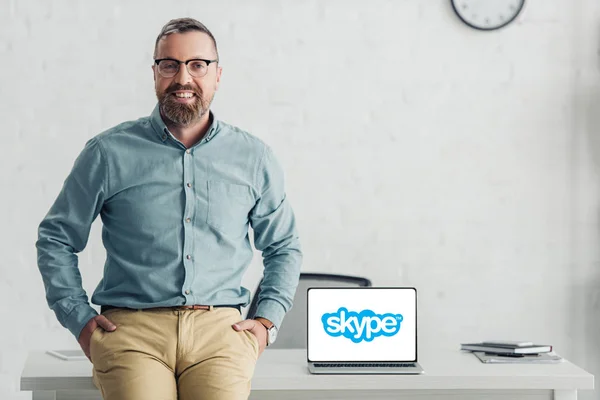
[(271, 310), (79, 317)]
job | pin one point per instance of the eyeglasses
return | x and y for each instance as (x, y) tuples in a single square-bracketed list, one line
[(169, 67)]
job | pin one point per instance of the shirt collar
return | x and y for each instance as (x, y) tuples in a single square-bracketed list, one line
[(163, 133)]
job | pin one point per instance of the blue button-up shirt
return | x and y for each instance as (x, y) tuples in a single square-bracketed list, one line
[(175, 223)]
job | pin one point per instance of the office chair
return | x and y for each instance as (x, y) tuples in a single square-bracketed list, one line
[(292, 332)]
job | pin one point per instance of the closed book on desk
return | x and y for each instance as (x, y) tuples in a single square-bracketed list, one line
[(536, 348), (507, 343), (543, 358)]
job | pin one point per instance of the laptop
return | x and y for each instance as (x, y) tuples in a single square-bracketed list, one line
[(364, 330)]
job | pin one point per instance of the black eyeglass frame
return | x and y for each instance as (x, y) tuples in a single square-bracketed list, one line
[(208, 62)]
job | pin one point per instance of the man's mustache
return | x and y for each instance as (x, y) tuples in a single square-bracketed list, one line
[(188, 88)]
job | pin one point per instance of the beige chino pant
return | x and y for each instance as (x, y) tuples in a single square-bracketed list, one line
[(166, 354)]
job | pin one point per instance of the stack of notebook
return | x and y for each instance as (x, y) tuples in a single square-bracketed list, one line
[(502, 351)]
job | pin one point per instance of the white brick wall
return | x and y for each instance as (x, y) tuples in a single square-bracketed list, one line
[(417, 151)]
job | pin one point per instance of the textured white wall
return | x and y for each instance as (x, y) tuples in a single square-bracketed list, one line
[(417, 151)]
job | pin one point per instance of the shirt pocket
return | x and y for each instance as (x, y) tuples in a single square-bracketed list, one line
[(228, 207)]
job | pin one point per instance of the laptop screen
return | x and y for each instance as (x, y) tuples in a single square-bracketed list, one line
[(362, 324)]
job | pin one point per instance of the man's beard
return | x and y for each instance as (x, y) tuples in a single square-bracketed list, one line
[(179, 113)]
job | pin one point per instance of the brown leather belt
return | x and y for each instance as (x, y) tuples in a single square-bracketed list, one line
[(187, 307), (195, 307)]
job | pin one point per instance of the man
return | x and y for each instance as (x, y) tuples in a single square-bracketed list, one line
[(176, 192)]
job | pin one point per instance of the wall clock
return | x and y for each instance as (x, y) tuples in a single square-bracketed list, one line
[(487, 15)]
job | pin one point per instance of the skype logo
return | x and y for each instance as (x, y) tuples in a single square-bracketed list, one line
[(357, 327)]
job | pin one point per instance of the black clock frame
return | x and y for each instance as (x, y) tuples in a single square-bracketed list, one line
[(488, 29)]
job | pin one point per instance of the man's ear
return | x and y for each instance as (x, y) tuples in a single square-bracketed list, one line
[(154, 73), (218, 81)]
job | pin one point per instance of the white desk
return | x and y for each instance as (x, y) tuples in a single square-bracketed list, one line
[(282, 374)]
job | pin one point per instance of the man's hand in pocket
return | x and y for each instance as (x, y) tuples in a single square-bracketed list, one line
[(99, 321)]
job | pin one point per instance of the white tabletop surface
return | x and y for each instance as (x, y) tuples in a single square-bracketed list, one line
[(447, 369)]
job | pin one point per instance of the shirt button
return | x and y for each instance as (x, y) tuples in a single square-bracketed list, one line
[(188, 220), (187, 292), (189, 184), (164, 137), (188, 257), (188, 151)]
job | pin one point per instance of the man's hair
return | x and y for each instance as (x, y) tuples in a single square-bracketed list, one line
[(182, 25)]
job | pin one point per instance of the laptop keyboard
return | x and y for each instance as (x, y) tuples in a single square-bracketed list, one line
[(366, 365)]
